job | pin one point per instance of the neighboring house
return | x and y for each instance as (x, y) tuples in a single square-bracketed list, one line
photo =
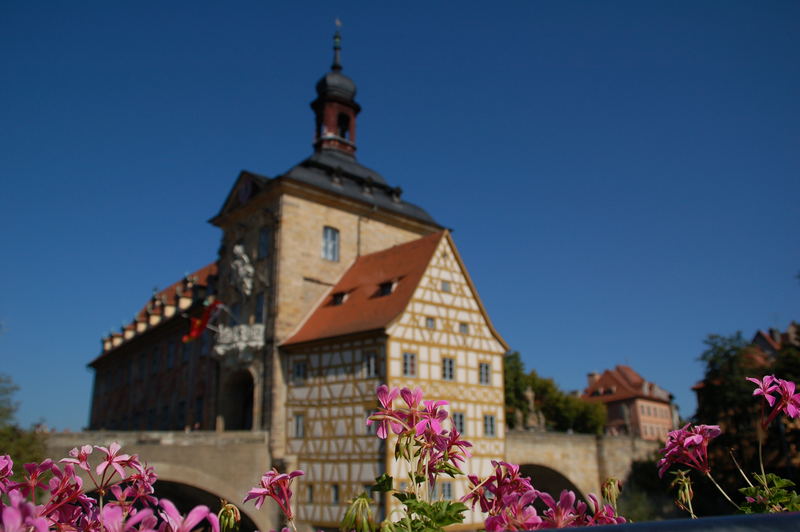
[(331, 283), (634, 406)]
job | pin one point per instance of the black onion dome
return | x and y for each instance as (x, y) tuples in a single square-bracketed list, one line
[(337, 85)]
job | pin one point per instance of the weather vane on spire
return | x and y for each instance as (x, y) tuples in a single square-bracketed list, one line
[(337, 47)]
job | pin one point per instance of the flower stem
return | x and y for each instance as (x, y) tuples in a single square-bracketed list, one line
[(722, 491)]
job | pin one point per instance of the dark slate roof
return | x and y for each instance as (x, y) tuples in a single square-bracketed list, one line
[(340, 173)]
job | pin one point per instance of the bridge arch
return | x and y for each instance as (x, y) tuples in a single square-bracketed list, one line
[(188, 486), (545, 478)]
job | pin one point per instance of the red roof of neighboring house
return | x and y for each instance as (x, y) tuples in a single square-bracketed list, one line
[(619, 384), (363, 309)]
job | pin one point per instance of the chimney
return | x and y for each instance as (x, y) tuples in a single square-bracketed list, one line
[(592, 377)]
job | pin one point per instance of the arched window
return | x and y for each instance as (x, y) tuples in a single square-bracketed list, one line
[(343, 126)]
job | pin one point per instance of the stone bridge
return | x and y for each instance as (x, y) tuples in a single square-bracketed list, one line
[(203, 467), (581, 462), (192, 467)]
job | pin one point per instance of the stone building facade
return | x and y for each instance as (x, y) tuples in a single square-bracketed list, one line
[(634, 406), (330, 283)]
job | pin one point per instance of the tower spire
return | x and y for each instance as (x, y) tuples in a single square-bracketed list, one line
[(335, 108), (337, 48)]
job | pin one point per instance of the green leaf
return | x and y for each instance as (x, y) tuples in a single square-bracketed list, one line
[(383, 483)]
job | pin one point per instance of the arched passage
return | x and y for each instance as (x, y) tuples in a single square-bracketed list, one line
[(237, 401), (547, 479), (186, 497)]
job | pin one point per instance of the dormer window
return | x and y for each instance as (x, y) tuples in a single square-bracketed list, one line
[(343, 126), (338, 298), (384, 289)]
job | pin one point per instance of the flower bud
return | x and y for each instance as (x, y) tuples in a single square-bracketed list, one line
[(610, 490), (229, 517)]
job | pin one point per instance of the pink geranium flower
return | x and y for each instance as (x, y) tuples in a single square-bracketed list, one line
[(765, 387), (563, 513), (276, 486), (432, 416), (175, 522), (113, 519), (386, 417), (80, 457), (113, 459), (688, 446)]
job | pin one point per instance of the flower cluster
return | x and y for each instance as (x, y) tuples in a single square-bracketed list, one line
[(689, 446), (507, 497), (779, 395), (125, 502), (276, 486), (420, 425)]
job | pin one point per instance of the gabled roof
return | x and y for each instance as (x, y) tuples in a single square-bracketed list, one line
[(623, 383), (247, 185), (363, 308)]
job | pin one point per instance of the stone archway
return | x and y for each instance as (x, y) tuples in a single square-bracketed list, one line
[(547, 479), (186, 497), (237, 400)]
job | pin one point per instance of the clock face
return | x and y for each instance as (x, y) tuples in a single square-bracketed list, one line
[(245, 190)]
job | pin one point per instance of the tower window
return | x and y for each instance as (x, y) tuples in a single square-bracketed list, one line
[(263, 242), (259, 312), (343, 126), (446, 286), (430, 323), (330, 244), (338, 298)]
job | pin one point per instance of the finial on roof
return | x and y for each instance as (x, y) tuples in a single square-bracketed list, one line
[(337, 48)]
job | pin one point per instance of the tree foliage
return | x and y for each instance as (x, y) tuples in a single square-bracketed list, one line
[(562, 411), (24, 446), (725, 398)]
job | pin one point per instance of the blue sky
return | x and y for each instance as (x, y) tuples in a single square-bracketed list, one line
[(621, 177)]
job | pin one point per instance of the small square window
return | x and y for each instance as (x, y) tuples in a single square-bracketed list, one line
[(384, 289), (299, 372), (263, 242), (488, 426), (485, 373), (409, 364), (446, 286), (370, 364), (430, 323), (459, 423), (448, 369), (258, 315), (463, 328)]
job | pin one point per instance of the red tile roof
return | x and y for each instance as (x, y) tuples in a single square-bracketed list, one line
[(363, 309), (167, 296), (623, 383)]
